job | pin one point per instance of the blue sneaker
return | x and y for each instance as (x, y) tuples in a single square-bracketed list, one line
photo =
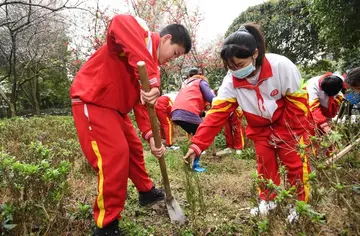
[(196, 166)]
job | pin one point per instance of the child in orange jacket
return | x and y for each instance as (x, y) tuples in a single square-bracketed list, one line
[(104, 91), (267, 87)]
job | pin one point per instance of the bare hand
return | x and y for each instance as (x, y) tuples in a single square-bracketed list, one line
[(190, 153), (149, 97), (327, 129), (158, 152)]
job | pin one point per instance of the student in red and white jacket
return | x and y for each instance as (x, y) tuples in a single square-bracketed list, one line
[(104, 91), (325, 98), (234, 132), (267, 89)]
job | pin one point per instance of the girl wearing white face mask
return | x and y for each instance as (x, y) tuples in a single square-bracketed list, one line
[(267, 87)]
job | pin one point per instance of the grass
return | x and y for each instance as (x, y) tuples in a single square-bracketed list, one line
[(227, 185)]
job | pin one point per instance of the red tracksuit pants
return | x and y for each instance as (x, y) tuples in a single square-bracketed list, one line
[(234, 134), (166, 125), (297, 166), (113, 149)]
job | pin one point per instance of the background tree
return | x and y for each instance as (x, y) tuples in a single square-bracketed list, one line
[(338, 24), (28, 33), (287, 28)]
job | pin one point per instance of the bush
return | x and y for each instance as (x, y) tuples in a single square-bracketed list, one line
[(35, 167), (35, 193)]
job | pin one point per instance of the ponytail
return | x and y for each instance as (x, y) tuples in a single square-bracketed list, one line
[(243, 43)]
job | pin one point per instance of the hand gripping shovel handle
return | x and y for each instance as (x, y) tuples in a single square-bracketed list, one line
[(155, 128)]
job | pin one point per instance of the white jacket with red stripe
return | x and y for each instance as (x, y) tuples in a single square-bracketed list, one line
[(276, 106), (322, 106)]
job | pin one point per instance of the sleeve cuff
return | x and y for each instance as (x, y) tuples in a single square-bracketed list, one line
[(323, 125), (148, 135), (154, 82), (196, 149)]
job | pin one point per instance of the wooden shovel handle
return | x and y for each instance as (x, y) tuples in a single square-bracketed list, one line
[(154, 127), (342, 152), (152, 114)]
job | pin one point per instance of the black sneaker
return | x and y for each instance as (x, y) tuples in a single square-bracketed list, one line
[(110, 230), (154, 195)]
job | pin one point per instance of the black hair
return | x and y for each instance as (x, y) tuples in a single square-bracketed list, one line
[(179, 35), (353, 78), (243, 43), (331, 85), (193, 71)]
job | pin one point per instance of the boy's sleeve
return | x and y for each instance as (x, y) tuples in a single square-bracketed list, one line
[(337, 102), (143, 121), (315, 108), (125, 31), (215, 119), (334, 105), (296, 97)]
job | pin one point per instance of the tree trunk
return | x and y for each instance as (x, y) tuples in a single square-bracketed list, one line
[(13, 97), (36, 96), (7, 100)]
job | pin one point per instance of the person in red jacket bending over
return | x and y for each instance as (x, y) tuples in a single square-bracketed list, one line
[(104, 91), (163, 109), (267, 87), (234, 134)]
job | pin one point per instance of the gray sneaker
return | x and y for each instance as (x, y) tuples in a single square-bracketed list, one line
[(172, 148)]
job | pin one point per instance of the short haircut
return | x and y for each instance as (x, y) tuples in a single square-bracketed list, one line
[(179, 35), (331, 85), (193, 71)]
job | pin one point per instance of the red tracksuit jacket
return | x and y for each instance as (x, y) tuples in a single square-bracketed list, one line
[(110, 78)]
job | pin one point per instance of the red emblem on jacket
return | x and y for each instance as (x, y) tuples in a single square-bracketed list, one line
[(274, 93)]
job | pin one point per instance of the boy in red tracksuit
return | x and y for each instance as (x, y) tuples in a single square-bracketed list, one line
[(163, 108), (104, 91), (234, 134), (325, 98), (268, 89)]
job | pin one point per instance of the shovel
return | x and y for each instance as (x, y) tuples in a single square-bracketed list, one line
[(174, 210), (343, 152)]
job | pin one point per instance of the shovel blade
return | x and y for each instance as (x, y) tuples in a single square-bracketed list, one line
[(175, 212)]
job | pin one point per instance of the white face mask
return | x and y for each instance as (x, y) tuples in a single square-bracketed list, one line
[(243, 72)]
